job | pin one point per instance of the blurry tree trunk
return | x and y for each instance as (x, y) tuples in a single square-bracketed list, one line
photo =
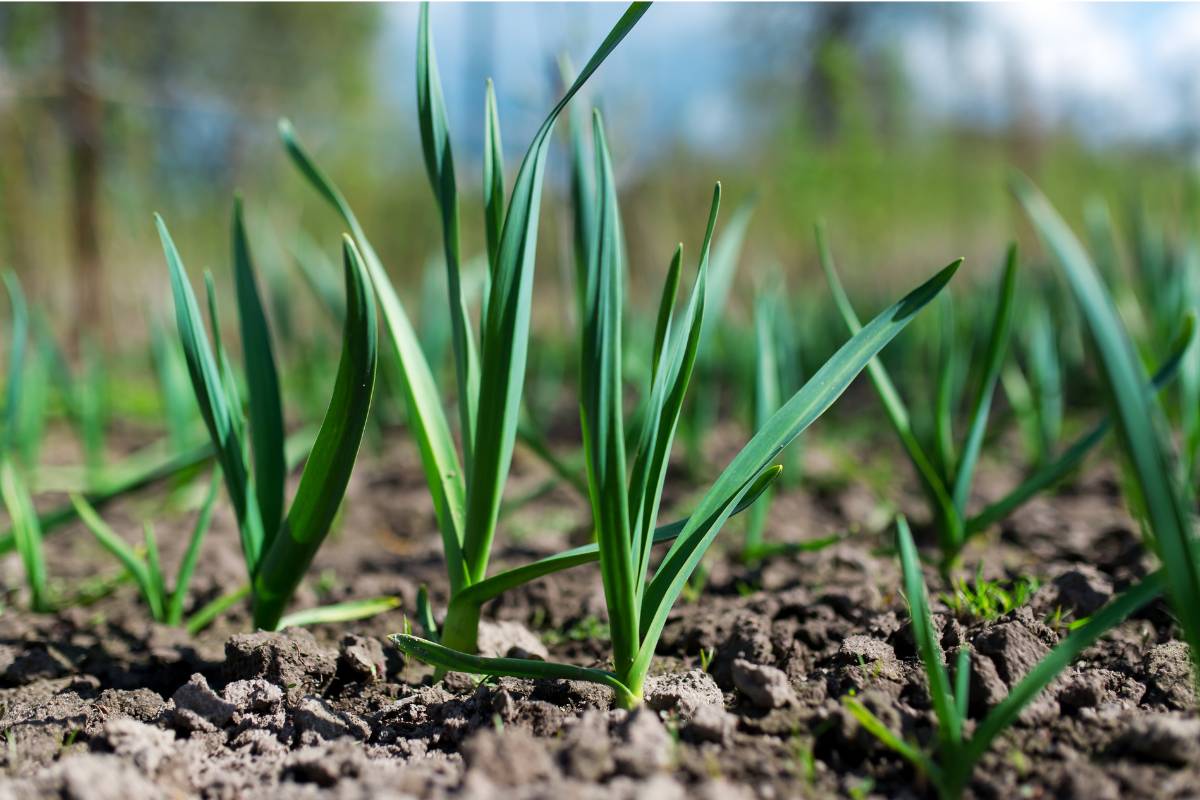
[(14, 183), (833, 27), (82, 114)]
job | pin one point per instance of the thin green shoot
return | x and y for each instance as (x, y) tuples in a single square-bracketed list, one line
[(165, 606), (26, 533), (953, 754)]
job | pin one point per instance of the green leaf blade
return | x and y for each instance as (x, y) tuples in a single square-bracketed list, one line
[(493, 176), (117, 546), (925, 636), (262, 380), (506, 324), (993, 362), (1136, 412), (439, 164), (601, 415), (187, 566), (427, 420), (19, 337), (446, 658), (800, 411), (26, 531), (210, 389), (672, 373), (323, 482)]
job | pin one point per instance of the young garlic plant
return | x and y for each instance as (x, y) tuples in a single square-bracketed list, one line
[(951, 758), (625, 497), (26, 530), (165, 606), (277, 547), (945, 475), (467, 487), (1160, 492)]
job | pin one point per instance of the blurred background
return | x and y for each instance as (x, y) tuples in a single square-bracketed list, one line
[(896, 124)]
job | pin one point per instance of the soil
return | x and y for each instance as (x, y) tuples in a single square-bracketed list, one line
[(96, 702)]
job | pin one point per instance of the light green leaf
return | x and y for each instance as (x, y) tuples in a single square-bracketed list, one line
[(210, 390), (1137, 414), (348, 611), (426, 420), (800, 411)]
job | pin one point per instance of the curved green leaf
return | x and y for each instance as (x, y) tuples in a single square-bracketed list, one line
[(426, 419), (504, 341), (440, 656), (348, 611), (804, 407), (323, 483), (210, 390)]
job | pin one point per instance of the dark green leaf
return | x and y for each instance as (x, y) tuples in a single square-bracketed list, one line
[(262, 380), (323, 483)]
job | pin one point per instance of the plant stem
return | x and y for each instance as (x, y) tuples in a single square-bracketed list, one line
[(460, 630), (627, 699), (630, 698)]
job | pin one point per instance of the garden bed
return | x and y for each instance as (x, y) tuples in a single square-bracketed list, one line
[(746, 699)]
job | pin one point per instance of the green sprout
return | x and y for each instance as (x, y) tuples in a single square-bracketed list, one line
[(951, 759), (988, 600), (250, 446), (467, 489), (26, 529), (1159, 493), (625, 496), (946, 474), (165, 606)]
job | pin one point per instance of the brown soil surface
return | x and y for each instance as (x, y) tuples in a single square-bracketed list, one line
[(98, 703)]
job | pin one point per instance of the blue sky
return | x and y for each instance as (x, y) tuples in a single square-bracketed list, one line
[(1116, 71)]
